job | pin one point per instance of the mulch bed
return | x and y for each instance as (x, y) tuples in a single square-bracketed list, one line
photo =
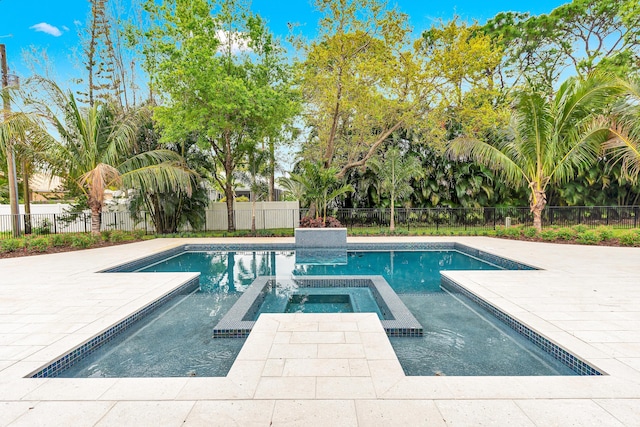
[(58, 249)]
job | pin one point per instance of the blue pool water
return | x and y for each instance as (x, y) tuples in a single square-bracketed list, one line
[(460, 337)]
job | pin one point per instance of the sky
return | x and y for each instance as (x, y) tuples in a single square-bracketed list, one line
[(53, 24)]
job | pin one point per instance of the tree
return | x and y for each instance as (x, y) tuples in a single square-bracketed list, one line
[(170, 209), (395, 172), (95, 148), (16, 128), (257, 163), (584, 35), (320, 186), (208, 67), (624, 144), (360, 82), (548, 139), (464, 62)]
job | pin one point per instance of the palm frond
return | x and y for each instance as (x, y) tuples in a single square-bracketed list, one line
[(158, 176), (490, 156), (588, 139), (624, 145), (95, 181)]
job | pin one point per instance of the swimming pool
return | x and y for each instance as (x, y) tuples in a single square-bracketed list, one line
[(460, 336)]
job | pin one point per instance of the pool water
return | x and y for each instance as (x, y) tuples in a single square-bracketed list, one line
[(319, 300), (305, 303), (460, 337)]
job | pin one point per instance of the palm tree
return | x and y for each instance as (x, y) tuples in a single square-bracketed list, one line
[(548, 139), (16, 128), (95, 149), (395, 173), (625, 142), (320, 186)]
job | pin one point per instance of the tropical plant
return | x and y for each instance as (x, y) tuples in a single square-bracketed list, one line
[(95, 149), (21, 133), (548, 140), (173, 208), (224, 77), (395, 172), (625, 142), (360, 81), (258, 162), (320, 185)]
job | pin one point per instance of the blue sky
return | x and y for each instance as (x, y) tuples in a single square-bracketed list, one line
[(53, 24)]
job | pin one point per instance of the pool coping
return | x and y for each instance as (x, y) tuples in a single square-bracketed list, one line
[(237, 322)]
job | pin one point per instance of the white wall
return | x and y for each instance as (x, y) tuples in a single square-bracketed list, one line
[(268, 215)]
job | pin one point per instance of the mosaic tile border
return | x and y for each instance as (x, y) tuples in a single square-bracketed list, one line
[(134, 265), (577, 365), (496, 260), (398, 320), (84, 350)]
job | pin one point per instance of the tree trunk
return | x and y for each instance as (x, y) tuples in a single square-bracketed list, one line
[(272, 171), (253, 213), (27, 197), (538, 202), (96, 210), (228, 189), (313, 210), (228, 193), (13, 191), (392, 223)]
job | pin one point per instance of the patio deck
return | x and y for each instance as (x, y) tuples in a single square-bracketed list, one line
[(324, 369)]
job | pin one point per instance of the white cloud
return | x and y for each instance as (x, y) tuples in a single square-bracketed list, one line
[(65, 28), (47, 28), (77, 23), (239, 42)]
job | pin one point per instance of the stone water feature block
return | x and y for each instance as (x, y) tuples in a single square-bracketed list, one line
[(321, 237)]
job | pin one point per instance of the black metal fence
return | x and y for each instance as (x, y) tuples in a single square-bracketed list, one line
[(490, 217), (433, 218)]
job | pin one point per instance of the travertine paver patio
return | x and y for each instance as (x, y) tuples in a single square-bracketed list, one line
[(314, 369)]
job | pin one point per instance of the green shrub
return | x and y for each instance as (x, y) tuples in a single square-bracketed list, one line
[(566, 233), (43, 227), (588, 237), (530, 232), (512, 232), (119, 236), (58, 240), (549, 235), (580, 228), (106, 235), (138, 233), (605, 233), (500, 231), (630, 238), (11, 245), (39, 244), (82, 241)]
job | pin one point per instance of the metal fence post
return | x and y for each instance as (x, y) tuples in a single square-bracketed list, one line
[(579, 215)]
